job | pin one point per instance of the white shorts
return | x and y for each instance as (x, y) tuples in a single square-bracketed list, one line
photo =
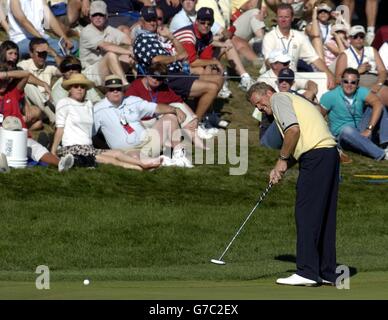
[(35, 150)]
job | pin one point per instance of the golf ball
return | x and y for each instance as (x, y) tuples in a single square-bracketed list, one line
[(86, 282)]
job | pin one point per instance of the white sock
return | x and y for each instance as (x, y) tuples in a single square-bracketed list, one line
[(371, 29), (245, 75)]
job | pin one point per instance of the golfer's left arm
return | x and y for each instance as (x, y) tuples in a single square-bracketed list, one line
[(284, 113)]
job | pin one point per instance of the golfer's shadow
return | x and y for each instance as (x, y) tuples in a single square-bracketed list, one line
[(292, 258)]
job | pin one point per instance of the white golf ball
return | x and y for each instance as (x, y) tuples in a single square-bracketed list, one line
[(86, 282)]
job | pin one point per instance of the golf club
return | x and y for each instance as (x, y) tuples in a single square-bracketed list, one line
[(219, 261)]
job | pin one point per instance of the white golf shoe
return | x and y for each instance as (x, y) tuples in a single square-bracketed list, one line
[(297, 280), (245, 83), (179, 155)]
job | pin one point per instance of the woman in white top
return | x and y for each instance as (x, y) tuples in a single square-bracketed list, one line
[(74, 122)]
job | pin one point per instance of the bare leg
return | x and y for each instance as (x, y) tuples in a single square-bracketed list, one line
[(50, 159), (244, 49), (235, 60), (207, 92), (350, 5), (371, 12), (73, 11), (127, 160), (110, 64)]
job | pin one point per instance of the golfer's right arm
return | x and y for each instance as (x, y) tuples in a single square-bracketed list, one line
[(290, 140)]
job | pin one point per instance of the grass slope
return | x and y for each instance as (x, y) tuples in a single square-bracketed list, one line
[(111, 224)]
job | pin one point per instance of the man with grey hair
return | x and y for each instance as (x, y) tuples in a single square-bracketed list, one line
[(308, 141)]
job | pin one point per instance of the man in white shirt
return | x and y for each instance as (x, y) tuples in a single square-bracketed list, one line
[(295, 43), (37, 65), (104, 49), (120, 120)]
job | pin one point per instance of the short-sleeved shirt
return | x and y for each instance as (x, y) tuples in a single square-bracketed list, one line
[(45, 74), (341, 112), (147, 46), (10, 104), (77, 120), (197, 45), (91, 38), (163, 94), (183, 19), (290, 110), (297, 45), (111, 120)]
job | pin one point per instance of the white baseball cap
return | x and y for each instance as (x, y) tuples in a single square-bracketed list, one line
[(278, 55), (324, 6), (356, 29)]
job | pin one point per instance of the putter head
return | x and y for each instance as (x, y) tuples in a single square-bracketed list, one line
[(219, 262)]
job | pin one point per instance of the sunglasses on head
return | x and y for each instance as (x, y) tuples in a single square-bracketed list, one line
[(98, 15), (41, 54), (349, 82), (359, 35), (72, 67), (206, 22)]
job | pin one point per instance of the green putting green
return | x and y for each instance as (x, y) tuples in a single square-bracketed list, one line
[(366, 285)]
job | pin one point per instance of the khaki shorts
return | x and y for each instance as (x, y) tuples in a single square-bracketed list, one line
[(92, 72)]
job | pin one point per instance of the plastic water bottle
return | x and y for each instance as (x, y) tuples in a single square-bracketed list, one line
[(186, 67)]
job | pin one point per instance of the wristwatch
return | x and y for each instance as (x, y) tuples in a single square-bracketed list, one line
[(281, 157), (370, 127)]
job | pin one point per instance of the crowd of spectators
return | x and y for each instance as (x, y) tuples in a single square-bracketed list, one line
[(143, 75)]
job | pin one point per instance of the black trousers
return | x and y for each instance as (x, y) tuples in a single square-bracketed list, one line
[(315, 213)]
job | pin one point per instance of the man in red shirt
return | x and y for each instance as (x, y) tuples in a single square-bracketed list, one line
[(204, 52), (153, 88), (11, 96)]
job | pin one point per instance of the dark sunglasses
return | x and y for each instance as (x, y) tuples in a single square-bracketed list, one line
[(153, 19), (72, 67), (206, 22), (325, 11), (359, 35), (289, 81), (76, 86), (160, 18), (284, 63), (115, 89), (41, 54), (349, 82), (98, 15)]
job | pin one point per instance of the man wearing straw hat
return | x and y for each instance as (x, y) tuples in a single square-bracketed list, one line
[(120, 120)]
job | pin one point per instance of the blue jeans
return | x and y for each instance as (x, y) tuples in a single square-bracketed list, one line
[(350, 138), (272, 137), (24, 49)]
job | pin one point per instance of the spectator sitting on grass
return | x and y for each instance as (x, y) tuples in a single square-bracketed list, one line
[(74, 122), (104, 49), (10, 98), (37, 65), (120, 120), (9, 53), (355, 129), (70, 65)]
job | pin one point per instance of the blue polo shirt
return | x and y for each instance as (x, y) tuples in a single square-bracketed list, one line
[(341, 111)]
